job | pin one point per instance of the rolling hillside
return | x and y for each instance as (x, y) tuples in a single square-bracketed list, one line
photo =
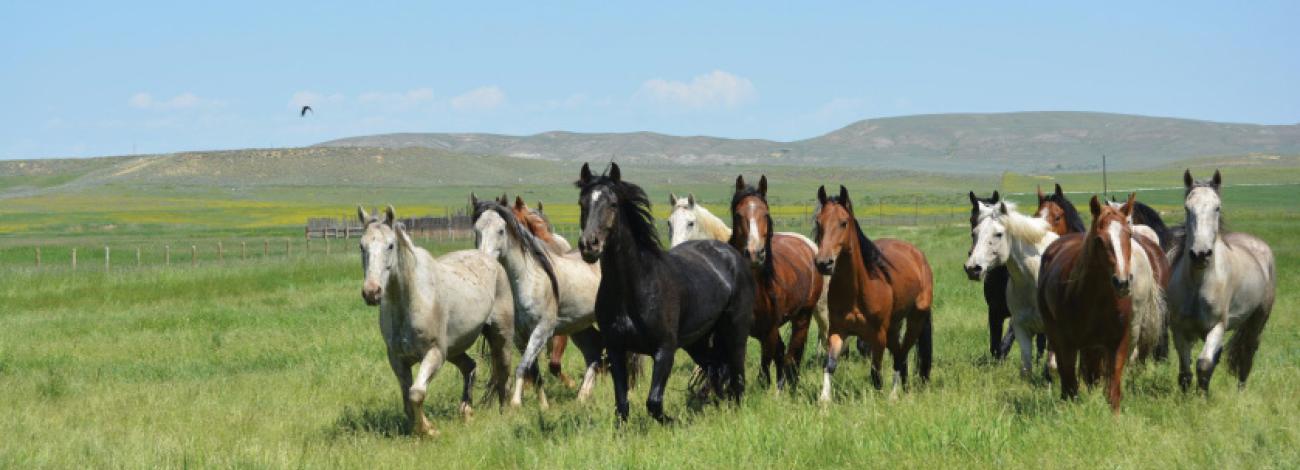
[(1028, 141)]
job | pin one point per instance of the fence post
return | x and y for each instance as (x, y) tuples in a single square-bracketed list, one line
[(221, 252), (266, 248), (137, 256), (38, 257), (916, 209), (288, 249), (107, 264), (243, 251), (327, 246), (167, 255), (308, 249), (74, 259), (194, 256)]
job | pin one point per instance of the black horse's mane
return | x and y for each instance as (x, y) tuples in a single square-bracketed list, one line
[(872, 257), (527, 242), (633, 209), (1073, 221), (740, 195)]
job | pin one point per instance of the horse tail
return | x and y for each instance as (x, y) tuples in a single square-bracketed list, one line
[(925, 347)]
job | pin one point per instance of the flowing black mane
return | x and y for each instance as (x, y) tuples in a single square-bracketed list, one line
[(1146, 215), (740, 195), (1072, 219), (872, 258), (529, 244), (633, 210)]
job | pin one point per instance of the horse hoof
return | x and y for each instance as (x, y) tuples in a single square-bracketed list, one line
[(427, 433), (466, 412)]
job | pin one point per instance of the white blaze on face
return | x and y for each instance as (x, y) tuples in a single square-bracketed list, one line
[(595, 196), (755, 242), (1114, 231)]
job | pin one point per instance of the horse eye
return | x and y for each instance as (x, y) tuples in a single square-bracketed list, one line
[(999, 234), (690, 224), (390, 246), (501, 231), (844, 223)]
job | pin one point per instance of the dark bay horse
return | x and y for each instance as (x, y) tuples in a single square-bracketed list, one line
[(1101, 294), (699, 296), (787, 284), (874, 289)]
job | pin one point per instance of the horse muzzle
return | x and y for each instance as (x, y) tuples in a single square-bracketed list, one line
[(756, 258), (974, 272), (591, 251), (373, 295), (826, 267), (1201, 258), (1123, 285)]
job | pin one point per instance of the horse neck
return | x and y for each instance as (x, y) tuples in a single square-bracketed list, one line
[(1091, 266), (412, 272), (525, 274), (1028, 238), (852, 254), (623, 263), (713, 226)]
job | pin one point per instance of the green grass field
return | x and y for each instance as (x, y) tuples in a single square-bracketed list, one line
[(278, 363)]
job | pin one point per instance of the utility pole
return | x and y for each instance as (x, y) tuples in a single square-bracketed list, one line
[(1105, 185)]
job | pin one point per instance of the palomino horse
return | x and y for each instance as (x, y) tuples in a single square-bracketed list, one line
[(1222, 281), (1003, 237), (787, 285), (540, 226), (1098, 299), (698, 296), (691, 221), (432, 310), (874, 289), (552, 293)]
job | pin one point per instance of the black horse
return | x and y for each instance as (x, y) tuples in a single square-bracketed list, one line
[(699, 296)]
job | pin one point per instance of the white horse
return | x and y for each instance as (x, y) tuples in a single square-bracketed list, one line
[(1004, 237), (1221, 281), (691, 221), (432, 311), (553, 294)]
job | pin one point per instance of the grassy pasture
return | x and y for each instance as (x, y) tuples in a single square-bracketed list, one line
[(274, 363)]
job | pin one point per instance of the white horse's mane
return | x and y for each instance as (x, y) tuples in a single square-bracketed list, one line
[(1028, 229)]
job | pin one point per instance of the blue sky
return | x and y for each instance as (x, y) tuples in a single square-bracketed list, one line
[(104, 78)]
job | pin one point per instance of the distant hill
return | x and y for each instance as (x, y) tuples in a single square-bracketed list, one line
[(1026, 142)]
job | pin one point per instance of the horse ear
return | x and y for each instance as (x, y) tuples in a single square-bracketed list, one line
[(1002, 208), (390, 215), (519, 203), (539, 206), (996, 197), (361, 214), (821, 195), (614, 173), (1094, 206), (1187, 179), (762, 185), (740, 182), (690, 200), (1127, 208), (584, 176), (504, 199), (672, 199), (1040, 194), (1216, 180), (844, 198), (1059, 194), (473, 200), (973, 200)]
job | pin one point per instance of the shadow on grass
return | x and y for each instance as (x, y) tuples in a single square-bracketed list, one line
[(387, 420)]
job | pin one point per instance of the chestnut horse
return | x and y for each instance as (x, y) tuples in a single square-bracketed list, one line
[(787, 285), (874, 289), (1098, 299)]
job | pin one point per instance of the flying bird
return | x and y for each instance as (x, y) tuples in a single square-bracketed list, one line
[(303, 113)]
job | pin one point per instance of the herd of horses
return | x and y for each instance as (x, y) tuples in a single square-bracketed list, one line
[(1087, 298)]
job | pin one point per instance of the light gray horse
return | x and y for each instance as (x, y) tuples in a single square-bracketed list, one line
[(1221, 281), (553, 293), (432, 311)]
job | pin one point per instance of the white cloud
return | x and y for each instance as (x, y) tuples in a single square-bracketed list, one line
[(185, 100), (311, 98), (716, 89), (397, 100), (479, 99)]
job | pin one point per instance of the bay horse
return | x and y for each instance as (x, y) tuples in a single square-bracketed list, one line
[(787, 284), (1004, 238), (698, 296), (552, 293), (1101, 296), (1222, 281), (432, 311), (874, 289), (540, 226)]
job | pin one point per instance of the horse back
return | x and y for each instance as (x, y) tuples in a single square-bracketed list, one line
[(709, 275)]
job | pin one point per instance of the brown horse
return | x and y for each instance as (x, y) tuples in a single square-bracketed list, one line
[(1098, 299), (788, 286), (1057, 210), (874, 289)]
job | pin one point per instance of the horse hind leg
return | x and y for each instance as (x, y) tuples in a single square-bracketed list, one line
[(556, 366), (1067, 360), (588, 341), (798, 341), (1244, 344), (499, 366), (468, 373)]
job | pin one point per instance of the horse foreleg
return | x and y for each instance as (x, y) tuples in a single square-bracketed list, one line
[(1209, 356), (877, 359), (1183, 345), (834, 347), (545, 328), (1115, 388), (899, 354), (618, 372), (433, 360), (558, 343), (402, 371), (767, 341), (467, 369), (663, 365), (1067, 360), (588, 341), (798, 341)]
